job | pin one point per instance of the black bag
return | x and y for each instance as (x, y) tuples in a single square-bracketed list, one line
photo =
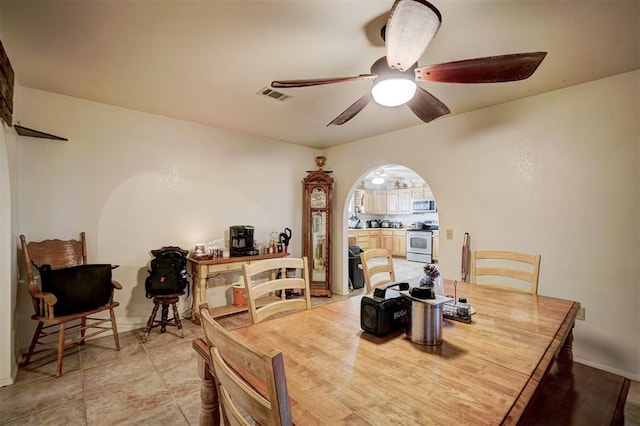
[(78, 288), (168, 274)]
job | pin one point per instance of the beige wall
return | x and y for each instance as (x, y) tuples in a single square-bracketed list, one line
[(556, 174), (136, 182)]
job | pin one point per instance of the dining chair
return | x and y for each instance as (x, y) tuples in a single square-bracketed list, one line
[(264, 279), (252, 385), (377, 267), (506, 269), (68, 295)]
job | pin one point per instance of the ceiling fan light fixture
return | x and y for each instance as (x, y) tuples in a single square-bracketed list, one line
[(378, 177), (393, 92)]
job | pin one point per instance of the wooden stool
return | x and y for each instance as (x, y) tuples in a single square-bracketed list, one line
[(165, 301)]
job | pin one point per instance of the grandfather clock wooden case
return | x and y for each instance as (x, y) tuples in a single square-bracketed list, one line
[(316, 226)]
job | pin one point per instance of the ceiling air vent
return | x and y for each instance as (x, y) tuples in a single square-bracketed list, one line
[(270, 93)]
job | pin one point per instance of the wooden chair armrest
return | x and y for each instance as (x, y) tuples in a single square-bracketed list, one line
[(48, 298), (116, 285), (43, 303)]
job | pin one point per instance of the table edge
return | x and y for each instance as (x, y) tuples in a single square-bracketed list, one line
[(532, 387)]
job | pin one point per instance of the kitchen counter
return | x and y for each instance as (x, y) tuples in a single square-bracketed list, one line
[(378, 227), (393, 239)]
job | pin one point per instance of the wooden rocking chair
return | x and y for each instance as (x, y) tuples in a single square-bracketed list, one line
[(52, 330)]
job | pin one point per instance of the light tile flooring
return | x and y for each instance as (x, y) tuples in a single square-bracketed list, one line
[(152, 383)]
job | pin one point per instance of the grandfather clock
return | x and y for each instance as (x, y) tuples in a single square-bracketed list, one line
[(316, 228)]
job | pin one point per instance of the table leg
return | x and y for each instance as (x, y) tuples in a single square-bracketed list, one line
[(210, 411), (198, 291), (566, 352), (565, 356)]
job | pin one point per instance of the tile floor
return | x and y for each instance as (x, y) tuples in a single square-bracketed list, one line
[(144, 383)]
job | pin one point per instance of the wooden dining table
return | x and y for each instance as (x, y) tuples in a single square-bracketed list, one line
[(486, 372)]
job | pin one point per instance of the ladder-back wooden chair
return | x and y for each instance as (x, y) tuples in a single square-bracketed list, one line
[(64, 318), (252, 385), (259, 287), (506, 269), (377, 267)]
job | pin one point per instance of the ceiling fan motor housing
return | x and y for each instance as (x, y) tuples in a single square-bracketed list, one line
[(383, 71)]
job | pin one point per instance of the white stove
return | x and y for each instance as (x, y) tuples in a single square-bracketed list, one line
[(419, 242)]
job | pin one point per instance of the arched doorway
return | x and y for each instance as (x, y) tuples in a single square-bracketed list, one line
[(381, 210)]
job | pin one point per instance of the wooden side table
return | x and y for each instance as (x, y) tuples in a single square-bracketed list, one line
[(203, 269)]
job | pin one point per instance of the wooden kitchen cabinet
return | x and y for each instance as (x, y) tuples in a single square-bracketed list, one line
[(418, 193), (404, 201), (387, 239), (435, 246), (399, 201), (399, 243), (374, 239), (368, 238), (362, 239), (393, 202), (393, 240), (368, 202), (379, 202)]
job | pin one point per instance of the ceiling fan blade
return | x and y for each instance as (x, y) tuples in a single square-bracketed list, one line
[(351, 112), (411, 26), (492, 69), (320, 81), (426, 106)]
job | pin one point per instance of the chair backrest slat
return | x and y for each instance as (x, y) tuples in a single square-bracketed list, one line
[(377, 267), (57, 253), (488, 265), (261, 282)]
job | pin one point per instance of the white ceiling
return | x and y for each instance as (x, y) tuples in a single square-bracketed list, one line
[(204, 61)]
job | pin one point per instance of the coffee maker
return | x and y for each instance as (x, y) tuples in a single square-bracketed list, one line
[(241, 241)]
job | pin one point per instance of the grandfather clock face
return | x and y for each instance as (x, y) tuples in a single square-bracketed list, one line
[(318, 198)]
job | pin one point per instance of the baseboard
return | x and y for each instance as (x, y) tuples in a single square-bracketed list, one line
[(129, 324), (623, 373), (6, 381)]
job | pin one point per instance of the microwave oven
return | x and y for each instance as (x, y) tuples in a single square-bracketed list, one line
[(423, 205)]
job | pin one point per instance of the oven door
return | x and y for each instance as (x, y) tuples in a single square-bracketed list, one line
[(419, 246)]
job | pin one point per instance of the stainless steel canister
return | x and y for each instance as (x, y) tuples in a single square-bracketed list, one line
[(425, 325)]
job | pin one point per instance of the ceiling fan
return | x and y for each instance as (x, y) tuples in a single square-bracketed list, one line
[(378, 176), (411, 26)]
